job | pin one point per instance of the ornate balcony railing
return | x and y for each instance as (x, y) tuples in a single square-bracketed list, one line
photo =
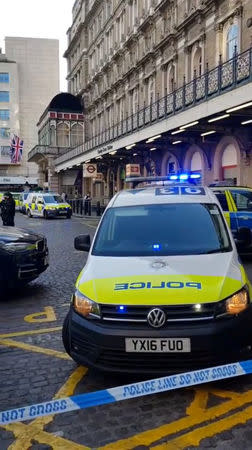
[(226, 76)]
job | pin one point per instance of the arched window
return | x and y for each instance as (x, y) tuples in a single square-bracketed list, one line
[(232, 41), (196, 162), (151, 90), (53, 136), (197, 62), (229, 163), (135, 101), (63, 135), (76, 135)]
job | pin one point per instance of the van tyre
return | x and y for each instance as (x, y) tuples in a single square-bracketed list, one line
[(66, 334)]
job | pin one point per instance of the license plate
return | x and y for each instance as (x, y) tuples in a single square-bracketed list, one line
[(62, 212), (158, 345)]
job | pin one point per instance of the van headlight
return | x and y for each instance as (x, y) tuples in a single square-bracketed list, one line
[(86, 307), (238, 302)]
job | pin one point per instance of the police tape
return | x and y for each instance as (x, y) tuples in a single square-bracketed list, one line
[(126, 392)]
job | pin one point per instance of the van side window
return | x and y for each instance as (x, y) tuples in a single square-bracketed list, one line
[(243, 199), (222, 199)]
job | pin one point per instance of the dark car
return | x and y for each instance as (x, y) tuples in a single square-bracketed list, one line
[(23, 256)]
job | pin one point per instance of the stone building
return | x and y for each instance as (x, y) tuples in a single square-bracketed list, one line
[(166, 84)]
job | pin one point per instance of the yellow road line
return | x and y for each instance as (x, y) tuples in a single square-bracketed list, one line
[(26, 433), (56, 442), (34, 348), (26, 333), (201, 415), (194, 437)]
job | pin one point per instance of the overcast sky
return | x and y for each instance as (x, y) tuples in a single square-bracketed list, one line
[(38, 19)]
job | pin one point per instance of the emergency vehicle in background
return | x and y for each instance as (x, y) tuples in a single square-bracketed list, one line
[(47, 205), (163, 289)]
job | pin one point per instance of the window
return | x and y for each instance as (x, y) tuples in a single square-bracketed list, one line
[(243, 200), (4, 77), (5, 132), (149, 230), (62, 135), (4, 114), (232, 40), (222, 199), (4, 96), (52, 199)]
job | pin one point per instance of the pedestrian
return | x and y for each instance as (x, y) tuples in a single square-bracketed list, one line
[(87, 204), (8, 209), (63, 196)]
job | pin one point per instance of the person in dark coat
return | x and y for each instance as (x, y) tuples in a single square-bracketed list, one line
[(8, 210)]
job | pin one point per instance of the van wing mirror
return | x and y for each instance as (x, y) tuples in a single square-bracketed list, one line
[(243, 238), (82, 243)]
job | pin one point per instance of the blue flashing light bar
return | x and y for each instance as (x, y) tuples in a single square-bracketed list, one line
[(156, 246), (183, 177), (122, 309)]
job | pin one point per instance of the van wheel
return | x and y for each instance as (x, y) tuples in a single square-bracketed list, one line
[(29, 214), (65, 334)]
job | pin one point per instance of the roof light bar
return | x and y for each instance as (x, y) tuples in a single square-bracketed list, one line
[(224, 116), (207, 133), (191, 124), (174, 177), (246, 122), (236, 108)]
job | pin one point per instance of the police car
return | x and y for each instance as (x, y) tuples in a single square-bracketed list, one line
[(39, 204), (236, 202), (163, 289)]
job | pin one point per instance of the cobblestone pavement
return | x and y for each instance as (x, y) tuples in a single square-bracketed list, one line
[(34, 368)]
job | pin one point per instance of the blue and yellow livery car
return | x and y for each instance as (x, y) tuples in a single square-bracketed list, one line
[(163, 289), (236, 203)]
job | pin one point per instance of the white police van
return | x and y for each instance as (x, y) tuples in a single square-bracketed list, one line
[(163, 289), (47, 205)]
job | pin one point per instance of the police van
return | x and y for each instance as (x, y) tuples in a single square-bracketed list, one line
[(236, 202), (163, 289), (47, 205)]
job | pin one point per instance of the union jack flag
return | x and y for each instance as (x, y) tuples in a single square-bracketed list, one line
[(16, 149)]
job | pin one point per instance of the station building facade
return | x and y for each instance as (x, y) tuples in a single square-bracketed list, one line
[(165, 84)]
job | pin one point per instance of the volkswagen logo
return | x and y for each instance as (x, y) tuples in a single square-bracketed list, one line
[(156, 318)]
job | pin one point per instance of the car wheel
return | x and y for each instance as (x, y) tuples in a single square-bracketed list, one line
[(29, 214), (65, 334), (46, 215), (69, 216)]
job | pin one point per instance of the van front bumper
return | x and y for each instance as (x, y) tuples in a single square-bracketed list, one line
[(102, 345)]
